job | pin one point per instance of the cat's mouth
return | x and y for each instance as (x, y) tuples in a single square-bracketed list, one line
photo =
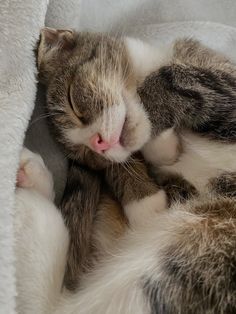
[(115, 149), (134, 133), (125, 145)]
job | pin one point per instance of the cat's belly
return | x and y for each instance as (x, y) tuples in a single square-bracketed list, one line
[(203, 159)]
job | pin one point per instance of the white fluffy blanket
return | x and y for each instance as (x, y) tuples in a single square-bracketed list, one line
[(20, 23)]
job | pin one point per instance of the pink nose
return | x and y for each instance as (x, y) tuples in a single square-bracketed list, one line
[(98, 144)]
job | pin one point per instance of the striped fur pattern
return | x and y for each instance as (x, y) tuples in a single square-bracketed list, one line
[(196, 90)]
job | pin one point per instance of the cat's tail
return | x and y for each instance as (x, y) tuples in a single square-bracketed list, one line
[(78, 207)]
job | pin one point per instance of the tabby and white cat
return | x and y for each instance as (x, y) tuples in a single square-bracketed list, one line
[(98, 114), (180, 260)]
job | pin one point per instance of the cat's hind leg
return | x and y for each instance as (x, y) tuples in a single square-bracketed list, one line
[(41, 238)]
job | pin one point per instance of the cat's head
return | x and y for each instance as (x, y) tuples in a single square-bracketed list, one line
[(91, 94)]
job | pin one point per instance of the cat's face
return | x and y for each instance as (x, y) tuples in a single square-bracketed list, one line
[(91, 96)]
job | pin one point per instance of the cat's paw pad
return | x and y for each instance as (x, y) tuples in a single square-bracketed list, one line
[(224, 184), (164, 149), (144, 210), (33, 173)]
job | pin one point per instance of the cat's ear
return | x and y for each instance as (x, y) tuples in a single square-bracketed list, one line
[(63, 39), (54, 45)]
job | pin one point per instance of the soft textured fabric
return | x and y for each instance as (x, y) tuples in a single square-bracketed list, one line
[(103, 15), (20, 22)]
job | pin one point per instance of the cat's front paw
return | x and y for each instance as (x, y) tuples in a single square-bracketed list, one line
[(140, 212), (33, 174), (164, 149)]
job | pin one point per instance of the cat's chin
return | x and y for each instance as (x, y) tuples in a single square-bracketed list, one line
[(117, 155)]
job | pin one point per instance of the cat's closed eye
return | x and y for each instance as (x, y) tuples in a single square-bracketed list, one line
[(74, 108)]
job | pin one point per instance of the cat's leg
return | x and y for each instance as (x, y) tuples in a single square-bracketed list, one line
[(224, 184), (139, 195), (41, 239), (196, 92), (79, 206), (165, 149), (177, 188), (140, 211)]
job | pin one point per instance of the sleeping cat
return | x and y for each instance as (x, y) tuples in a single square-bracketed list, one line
[(180, 260), (109, 97)]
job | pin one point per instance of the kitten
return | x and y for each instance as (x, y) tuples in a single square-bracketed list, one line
[(173, 275), (121, 95)]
